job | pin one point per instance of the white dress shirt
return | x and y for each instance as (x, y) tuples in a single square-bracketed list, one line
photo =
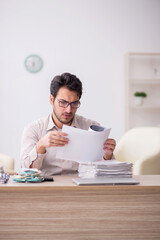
[(47, 162)]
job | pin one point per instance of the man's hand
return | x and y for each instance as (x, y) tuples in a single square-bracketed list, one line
[(52, 139), (108, 148)]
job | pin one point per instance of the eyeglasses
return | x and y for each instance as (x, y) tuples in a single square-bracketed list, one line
[(65, 104)]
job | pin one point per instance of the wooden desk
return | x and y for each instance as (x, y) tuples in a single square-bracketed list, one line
[(62, 210)]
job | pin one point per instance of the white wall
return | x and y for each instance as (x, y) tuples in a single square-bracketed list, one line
[(86, 37)]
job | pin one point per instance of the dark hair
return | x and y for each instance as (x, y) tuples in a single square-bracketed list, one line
[(67, 80)]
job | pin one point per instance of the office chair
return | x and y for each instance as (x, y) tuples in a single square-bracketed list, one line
[(140, 146), (7, 162)]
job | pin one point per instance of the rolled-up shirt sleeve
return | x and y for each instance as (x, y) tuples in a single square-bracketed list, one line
[(29, 155)]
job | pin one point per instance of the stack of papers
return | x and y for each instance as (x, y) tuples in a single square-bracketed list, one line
[(105, 168)]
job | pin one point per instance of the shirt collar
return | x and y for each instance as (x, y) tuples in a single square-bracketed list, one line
[(52, 125), (75, 122)]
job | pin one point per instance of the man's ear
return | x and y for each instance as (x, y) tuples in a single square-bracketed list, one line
[(51, 98)]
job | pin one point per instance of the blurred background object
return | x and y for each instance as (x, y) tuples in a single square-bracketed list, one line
[(140, 146)]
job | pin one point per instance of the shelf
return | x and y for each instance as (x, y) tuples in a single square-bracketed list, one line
[(145, 81), (143, 75), (146, 107), (140, 54)]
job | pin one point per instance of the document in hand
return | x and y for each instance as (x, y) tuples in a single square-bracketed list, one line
[(83, 146)]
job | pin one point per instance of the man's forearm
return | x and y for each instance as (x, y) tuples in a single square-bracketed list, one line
[(31, 159), (40, 148)]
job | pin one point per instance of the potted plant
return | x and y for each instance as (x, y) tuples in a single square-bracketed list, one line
[(139, 96)]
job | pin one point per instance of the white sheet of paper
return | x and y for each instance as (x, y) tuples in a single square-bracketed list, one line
[(83, 146)]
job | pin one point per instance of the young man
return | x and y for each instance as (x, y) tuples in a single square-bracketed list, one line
[(41, 138)]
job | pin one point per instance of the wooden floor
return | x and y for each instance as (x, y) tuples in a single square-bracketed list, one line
[(65, 211)]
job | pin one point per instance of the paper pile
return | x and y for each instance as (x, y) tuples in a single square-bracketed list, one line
[(105, 168)]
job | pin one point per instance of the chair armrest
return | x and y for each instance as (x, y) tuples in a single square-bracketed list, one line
[(149, 165)]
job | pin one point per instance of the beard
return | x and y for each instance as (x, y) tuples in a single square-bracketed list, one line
[(60, 120)]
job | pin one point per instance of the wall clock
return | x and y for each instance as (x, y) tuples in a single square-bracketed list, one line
[(33, 63)]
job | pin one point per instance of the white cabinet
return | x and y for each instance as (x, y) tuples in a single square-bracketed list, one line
[(142, 75)]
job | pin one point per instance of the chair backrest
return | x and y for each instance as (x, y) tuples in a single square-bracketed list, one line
[(138, 143), (7, 162)]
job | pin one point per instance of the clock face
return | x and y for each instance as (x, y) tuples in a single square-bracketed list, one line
[(33, 63)]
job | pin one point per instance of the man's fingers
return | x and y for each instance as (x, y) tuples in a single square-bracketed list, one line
[(58, 144), (110, 141), (62, 134), (109, 145), (58, 139)]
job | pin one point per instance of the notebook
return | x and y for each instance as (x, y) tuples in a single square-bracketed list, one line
[(104, 181)]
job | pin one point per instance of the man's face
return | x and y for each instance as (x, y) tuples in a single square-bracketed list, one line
[(64, 115)]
